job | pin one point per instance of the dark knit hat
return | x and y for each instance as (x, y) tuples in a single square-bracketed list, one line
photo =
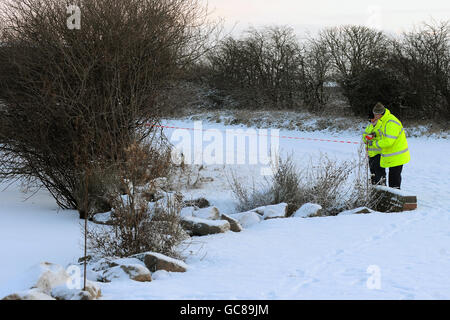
[(379, 108)]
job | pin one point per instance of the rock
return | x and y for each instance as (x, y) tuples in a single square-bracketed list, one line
[(134, 272), (247, 219), (93, 289), (92, 292), (187, 211), (32, 294), (103, 264), (161, 275), (52, 282), (105, 218), (157, 261), (308, 210), (109, 269), (362, 210), (235, 226), (272, 211), (210, 213), (291, 208), (259, 210), (137, 272), (202, 227), (200, 203), (275, 211), (49, 275)]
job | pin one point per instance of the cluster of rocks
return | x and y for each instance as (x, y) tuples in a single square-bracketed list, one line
[(50, 281), (205, 221), (139, 267)]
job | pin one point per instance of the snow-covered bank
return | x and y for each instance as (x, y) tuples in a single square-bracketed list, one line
[(33, 231), (319, 258), (294, 258)]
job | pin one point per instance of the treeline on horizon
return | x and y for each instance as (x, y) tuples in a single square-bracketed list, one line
[(270, 68)]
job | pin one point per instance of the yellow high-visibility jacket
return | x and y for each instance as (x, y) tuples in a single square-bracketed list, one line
[(373, 150), (393, 144)]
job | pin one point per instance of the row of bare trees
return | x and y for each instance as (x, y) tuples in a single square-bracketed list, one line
[(272, 68), (262, 67)]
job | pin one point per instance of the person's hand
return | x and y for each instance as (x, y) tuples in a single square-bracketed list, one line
[(370, 143)]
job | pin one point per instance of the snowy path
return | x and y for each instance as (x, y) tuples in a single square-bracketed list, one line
[(320, 258)]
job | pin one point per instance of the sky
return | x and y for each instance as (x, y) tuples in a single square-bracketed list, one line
[(392, 16)]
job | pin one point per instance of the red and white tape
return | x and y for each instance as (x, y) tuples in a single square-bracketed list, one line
[(281, 137)]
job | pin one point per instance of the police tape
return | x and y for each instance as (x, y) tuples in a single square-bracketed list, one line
[(281, 137)]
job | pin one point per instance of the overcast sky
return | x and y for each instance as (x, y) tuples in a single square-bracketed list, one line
[(393, 16)]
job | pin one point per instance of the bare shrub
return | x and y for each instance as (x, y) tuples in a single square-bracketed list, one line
[(336, 186), (138, 229), (248, 198), (66, 93), (141, 226)]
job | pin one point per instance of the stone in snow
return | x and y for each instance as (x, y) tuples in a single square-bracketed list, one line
[(361, 210), (235, 226), (156, 261), (105, 218), (108, 269), (202, 227), (275, 211), (199, 203), (247, 219), (63, 292), (46, 275), (31, 294), (134, 272), (187, 211), (211, 213), (52, 279), (307, 210)]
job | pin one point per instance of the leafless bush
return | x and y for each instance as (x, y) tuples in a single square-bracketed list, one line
[(73, 100), (248, 197), (138, 228), (336, 186)]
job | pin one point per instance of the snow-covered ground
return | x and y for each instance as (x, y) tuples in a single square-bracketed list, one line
[(374, 256)]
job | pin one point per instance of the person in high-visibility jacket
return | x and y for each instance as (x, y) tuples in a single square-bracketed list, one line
[(373, 133), (393, 144)]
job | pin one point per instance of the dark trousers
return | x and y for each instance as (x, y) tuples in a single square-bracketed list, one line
[(395, 177), (377, 173)]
